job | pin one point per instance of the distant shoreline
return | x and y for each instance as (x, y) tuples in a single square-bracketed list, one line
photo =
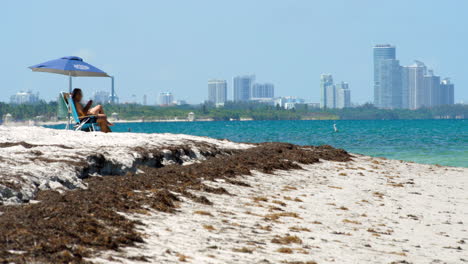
[(120, 121), (31, 123)]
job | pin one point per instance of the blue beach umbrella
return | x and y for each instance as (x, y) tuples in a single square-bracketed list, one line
[(71, 66)]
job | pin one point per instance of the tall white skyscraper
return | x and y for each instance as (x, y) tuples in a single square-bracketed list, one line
[(343, 95), (217, 92), (387, 77), (327, 91), (334, 95), (413, 82), (409, 87), (330, 100)]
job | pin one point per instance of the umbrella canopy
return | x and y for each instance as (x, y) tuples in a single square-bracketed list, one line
[(70, 66)]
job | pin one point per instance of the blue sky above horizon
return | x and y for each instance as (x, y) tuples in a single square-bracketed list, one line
[(176, 46)]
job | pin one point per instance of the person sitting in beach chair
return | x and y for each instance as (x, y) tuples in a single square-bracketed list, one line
[(86, 123), (88, 111)]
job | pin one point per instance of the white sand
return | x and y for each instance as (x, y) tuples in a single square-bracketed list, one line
[(367, 211), (47, 164)]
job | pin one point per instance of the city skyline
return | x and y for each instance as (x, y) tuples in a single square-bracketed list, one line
[(407, 87), (155, 46), (395, 86), (242, 87), (334, 95), (217, 92)]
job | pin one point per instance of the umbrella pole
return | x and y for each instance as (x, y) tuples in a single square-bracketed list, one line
[(69, 90)]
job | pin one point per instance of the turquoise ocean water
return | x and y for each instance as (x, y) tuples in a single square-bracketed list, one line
[(443, 142)]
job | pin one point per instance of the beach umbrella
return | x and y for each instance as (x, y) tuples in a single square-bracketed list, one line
[(71, 66)]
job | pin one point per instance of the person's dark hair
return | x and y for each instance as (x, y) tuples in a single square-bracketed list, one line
[(75, 92)]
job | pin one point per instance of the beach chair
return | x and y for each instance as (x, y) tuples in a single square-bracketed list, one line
[(83, 123)]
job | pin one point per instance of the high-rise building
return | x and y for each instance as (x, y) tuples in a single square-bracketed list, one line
[(217, 92), (101, 97), (432, 89), (334, 95), (265, 90), (405, 104), (24, 98), (243, 87), (446, 92), (413, 82), (327, 91), (166, 99), (330, 101), (408, 87), (381, 52), (391, 91), (387, 77), (343, 95)]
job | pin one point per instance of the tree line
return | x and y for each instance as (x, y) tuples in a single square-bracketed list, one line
[(235, 111)]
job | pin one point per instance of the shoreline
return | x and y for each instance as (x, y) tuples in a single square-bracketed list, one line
[(32, 123), (430, 160)]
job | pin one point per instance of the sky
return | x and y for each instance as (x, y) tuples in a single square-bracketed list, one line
[(177, 46)]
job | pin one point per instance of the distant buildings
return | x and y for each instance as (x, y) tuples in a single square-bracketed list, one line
[(263, 90), (409, 87), (432, 85), (343, 95), (326, 81), (243, 87), (413, 91), (24, 98), (101, 97), (387, 77), (334, 96), (244, 90), (446, 92), (217, 92), (180, 102), (313, 105), (166, 99), (422, 88), (288, 102)]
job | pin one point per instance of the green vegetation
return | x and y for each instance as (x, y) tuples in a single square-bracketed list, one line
[(368, 111), (231, 110), (41, 110), (236, 111)]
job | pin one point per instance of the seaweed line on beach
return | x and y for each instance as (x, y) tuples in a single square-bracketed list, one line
[(70, 226)]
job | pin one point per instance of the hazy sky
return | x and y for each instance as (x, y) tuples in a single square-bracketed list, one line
[(154, 46)]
